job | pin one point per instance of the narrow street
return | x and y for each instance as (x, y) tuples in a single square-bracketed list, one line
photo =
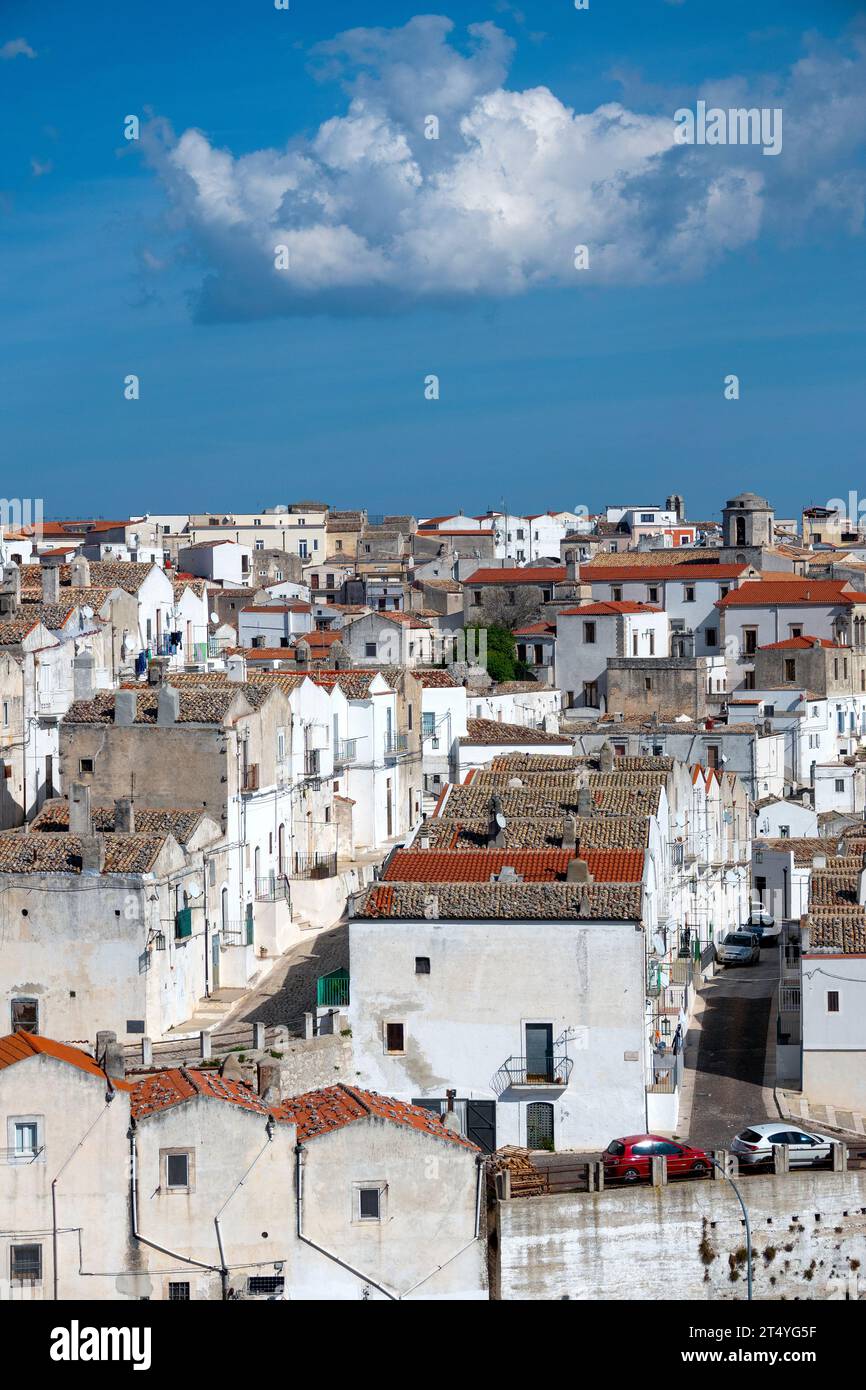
[(730, 1054)]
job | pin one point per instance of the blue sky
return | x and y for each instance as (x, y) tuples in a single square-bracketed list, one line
[(557, 387)]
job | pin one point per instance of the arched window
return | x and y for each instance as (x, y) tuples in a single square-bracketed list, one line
[(539, 1125), (224, 909), (741, 531)]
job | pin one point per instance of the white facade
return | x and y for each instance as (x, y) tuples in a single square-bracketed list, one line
[(585, 640)]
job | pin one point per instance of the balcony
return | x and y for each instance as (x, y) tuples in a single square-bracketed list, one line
[(550, 1072), (274, 889), (237, 933), (250, 779), (332, 991), (310, 866), (395, 744), (312, 763), (346, 751)]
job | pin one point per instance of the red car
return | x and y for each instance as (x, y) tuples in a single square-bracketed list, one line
[(629, 1158)]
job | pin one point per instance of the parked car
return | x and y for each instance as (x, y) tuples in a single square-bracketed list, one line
[(755, 1145), (630, 1157), (765, 924), (739, 948)]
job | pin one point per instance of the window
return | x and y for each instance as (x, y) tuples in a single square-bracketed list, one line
[(712, 637), (796, 630), (369, 648), (509, 596), (839, 783), (832, 1001), (750, 640), (177, 1167), (784, 832), (271, 1285), (25, 1015), (790, 668), (85, 764), (422, 965), (476, 596), (619, 750), (281, 745), (712, 755), (589, 632), (428, 724), (369, 1203), (178, 1292), (25, 1264), (26, 1136), (616, 593), (394, 1037), (647, 682), (688, 593), (5, 714), (647, 516), (652, 594)]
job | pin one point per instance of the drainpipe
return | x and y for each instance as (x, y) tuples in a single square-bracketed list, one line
[(269, 1127), (299, 1202)]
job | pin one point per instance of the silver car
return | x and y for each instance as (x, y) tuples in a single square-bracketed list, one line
[(739, 948), (755, 1145)]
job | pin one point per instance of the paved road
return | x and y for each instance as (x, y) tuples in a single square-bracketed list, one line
[(734, 1060), (289, 991)]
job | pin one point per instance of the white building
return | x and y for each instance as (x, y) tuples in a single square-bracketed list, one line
[(588, 635)]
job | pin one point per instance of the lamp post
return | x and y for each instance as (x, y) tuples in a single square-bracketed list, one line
[(729, 1179)]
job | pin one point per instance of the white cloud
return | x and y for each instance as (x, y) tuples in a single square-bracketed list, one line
[(375, 216), (16, 48)]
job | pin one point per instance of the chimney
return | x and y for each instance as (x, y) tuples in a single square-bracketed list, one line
[(269, 1082), (585, 803), (92, 854), (82, 676), (80, 817), (450, 1119), (50, 583), (578, 872), (498, 823), (167, 706), (236, 668), (79, 572), (569, 833), (157, 670), (605, 758), (125, 707), (339, 656), (124, 815), (110, 1055), (302, 654)]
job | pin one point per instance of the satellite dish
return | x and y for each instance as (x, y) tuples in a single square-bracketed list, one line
[(214, 617), (194, 889)]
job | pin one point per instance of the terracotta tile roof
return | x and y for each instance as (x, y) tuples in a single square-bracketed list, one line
[(521, 688), (491, 732), (321, 1112), (54, 616), (799, 644), (62, 854), (434, 680), (835, 886), (516, 902), (600, 573), (675, 557), (197, 705), (841, 931), (181, 821), (534, 866), (541, 629), (14, 630), (18, 1047), (803, 847), (175, 1085), (198, 586), (627, 832), (770, 593), (116, 574), (355, 685), (612, 608), (554, 574)]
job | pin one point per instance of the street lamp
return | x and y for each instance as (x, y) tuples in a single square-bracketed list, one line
[(729, 1179)]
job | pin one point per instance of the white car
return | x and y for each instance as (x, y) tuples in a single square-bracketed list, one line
[(739, 948), (755, 1145)]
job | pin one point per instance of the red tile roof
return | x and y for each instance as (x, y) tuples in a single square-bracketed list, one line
[(18, 1047), (770, 593), (552, 574), (321, 1112), (163, 1089), (681, 574), (798, 644), (541, 629), (533, 865), (607, 609)]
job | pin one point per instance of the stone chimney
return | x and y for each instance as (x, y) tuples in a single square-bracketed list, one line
[(110, 1055), (79, 572), (498, 823), (50, 583), (605, 758), (124, 815), (585, 803), (92, 854), (82, 676), (125, 707), (302, 654), (236, 668), (80, 814), (569, 833), (339, 656), (167, 706), (270, 1082), (578, 872)]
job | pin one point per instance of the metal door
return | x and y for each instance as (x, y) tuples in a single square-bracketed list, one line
[(539, 1125)]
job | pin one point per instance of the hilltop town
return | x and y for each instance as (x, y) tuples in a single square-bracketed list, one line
[(433, 907)]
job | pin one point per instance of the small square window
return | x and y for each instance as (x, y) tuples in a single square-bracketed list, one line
[(369, 1203), (178, 1170), (267, 1285), (178, 1292), (369, 648), (422, 965), (85, 764), (25, 1015), (394, 1037)]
